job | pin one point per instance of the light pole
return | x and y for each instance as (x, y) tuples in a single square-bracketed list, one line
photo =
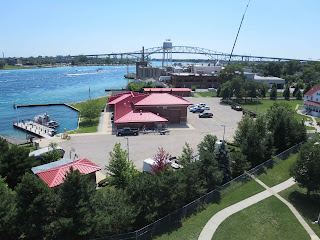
[(224, 130), (126, 137)]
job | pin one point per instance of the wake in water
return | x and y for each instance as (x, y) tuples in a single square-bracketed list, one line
[(78, 74)]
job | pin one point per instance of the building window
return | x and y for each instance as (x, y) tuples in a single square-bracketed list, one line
[(164, 107)]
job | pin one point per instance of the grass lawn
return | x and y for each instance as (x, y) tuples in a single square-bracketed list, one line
[(268, 219), (309, 208), (191, 227), (205, 94), (85, 126), (279, 172)]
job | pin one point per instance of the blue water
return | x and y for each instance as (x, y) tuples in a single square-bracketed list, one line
[(53, 85)]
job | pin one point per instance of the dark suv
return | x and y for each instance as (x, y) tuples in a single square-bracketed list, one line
[(205, 115)]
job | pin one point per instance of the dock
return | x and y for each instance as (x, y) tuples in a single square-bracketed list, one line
[(35, 128), (46, 104)]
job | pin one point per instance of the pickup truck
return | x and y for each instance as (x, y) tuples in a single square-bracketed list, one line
[(127, 131)]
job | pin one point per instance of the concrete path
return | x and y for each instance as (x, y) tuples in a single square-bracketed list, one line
[(212, 225)]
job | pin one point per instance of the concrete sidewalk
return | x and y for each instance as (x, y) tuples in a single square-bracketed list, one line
[(212, 225)]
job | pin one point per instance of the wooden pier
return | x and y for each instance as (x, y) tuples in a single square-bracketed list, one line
[(35, 128), (47, 104)]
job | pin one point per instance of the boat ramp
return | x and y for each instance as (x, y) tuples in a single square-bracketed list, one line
[(35, 128)]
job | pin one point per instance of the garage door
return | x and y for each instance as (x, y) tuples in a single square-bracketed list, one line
[(174, 116)]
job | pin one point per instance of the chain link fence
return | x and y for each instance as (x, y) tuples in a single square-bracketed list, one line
[(163, 224)]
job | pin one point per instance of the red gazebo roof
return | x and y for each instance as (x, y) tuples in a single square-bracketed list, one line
[(137, 116)]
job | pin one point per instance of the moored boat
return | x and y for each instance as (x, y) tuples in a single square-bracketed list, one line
[(44, 119)]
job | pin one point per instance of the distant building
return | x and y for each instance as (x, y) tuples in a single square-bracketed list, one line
[(311, 103), (211, 70), (14, 61), (144, 71), (182, 92), (187, 80), (53, 174), (136, 110), (268, 80)]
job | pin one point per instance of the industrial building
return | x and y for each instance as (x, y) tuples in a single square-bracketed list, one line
[(154, 110), (187, 80), (268, 80)]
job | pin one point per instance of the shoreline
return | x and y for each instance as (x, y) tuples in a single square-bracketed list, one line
[(62, 66)]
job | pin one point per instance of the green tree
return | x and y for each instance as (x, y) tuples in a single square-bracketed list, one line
[(307, 88), (286, 93), (299, 85), (209, 170), (90, 111), (224, 161), (36, 204), (239, 163), (7, 212), (83, 59), (53, 155), (120, 170), (237, 84), (152, 197), (1, 65), (263, 89), (298, 94), (251, 89), (285, 129), (273, 93), (254, 139), (187, 154), (77, 209), (306, 170), (226, 90), (4, 147), (118, 215), (15, 163)]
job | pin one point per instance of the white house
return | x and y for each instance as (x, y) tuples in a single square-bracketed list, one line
[(311, 102)]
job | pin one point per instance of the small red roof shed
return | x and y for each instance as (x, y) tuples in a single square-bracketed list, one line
[(55, 176)]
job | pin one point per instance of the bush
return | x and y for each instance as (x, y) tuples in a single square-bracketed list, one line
[(193, 88)]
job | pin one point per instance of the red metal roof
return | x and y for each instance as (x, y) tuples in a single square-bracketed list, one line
[(118, 98), (55, 176), (137, 116), (312, 90), (167, 89), (312, 103), (162, 99)]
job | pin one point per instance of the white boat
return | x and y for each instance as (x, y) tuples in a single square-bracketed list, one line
[(44, 119)]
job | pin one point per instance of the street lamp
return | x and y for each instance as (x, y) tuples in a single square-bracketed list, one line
[(224, 130), (126, 137)]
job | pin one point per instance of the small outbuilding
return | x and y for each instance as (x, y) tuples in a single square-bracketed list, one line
[(182, 92), (53, 174)]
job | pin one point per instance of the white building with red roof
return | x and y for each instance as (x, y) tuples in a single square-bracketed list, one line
[(53, 174), (136, 110), (311, 103)]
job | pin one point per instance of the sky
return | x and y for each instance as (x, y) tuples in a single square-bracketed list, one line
[(282, 28)]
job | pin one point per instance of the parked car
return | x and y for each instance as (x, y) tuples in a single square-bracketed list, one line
[(205, 115), (127, 131), (197, 109), (206, 108), (201, 104), (191, 106)]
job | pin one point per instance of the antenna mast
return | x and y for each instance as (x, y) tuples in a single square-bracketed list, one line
[(235, 41)]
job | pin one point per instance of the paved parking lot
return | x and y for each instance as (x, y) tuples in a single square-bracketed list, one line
[(96, 146)]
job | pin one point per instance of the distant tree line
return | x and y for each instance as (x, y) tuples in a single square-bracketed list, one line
[(302, 76)]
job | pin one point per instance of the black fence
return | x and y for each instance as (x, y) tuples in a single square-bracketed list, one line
[(163, 224)]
